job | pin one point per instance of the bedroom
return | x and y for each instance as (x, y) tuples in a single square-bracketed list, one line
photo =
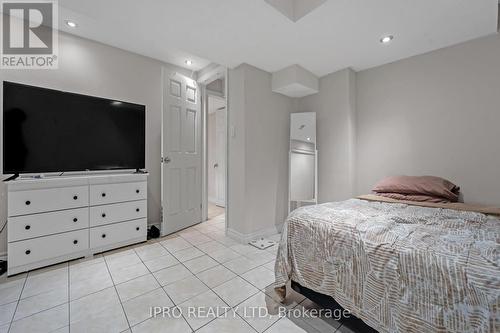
[(424, 103)]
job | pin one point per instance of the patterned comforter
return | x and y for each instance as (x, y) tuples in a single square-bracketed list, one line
[(397, 267)]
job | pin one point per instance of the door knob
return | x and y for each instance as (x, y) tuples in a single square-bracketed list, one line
[(166, 159), (216, 165)]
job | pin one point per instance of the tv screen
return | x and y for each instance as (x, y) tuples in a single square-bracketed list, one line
[(47, 130)]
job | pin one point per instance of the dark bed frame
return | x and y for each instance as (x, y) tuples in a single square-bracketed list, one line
[(327, 302)]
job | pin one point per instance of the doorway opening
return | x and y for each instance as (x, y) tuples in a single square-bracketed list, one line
[(216, 133)]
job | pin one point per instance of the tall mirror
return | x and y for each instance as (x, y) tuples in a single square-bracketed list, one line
[(303, 160)]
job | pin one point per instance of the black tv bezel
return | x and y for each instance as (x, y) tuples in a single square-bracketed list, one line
[(17, 173)]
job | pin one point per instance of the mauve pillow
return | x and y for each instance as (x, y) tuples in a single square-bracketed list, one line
[(414, 197), (421, 185)]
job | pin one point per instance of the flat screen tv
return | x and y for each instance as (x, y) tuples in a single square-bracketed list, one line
[(47, 130)]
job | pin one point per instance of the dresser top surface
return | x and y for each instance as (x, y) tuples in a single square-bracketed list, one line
[(75, 180)]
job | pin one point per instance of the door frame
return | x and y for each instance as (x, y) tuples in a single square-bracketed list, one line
[(219, 96), (217, 73)]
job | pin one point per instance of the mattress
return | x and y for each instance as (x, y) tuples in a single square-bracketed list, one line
[(398, 267)]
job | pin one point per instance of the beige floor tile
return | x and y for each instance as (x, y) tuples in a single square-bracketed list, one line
[(260, 277), (227, 323), (235, 291), (200, 264), (98, 312), (202, 309), (136, 287), (41, 302), (175, 244), (46, 321), (185, 289), (216, 276), (172, 274), (138, 309), (161, 262), (162, 325), (188, 254)]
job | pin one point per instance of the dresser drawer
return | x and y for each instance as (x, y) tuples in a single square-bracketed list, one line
[(125, 211), (42, 248), (118, 232), (103, 194), (31, 226), (46, 200)]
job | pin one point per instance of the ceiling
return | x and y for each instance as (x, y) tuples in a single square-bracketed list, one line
[(338, 34)]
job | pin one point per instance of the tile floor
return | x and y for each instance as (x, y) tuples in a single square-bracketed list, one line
[(114, 291)]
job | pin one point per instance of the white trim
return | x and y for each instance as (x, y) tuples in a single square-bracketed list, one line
[(228, 137), (204, 155), (3, 256), (245, 238), (211, 75)]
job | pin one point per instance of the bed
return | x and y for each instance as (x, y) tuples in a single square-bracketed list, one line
[(398, 267)]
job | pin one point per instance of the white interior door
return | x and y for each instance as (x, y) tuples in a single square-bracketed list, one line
[(220, 171), (181, 153)]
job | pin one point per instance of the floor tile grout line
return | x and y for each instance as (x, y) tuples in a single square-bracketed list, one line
[(171, 300), (237, 275), (117, 294), (196, 295), (18, 300), (211, 289), (21, 299), (35, 313), (193, 245), (69, 298)]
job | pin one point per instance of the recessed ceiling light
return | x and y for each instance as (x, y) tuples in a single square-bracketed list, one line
[(308, 139), (386, 39), (71, 24), (189, 62)]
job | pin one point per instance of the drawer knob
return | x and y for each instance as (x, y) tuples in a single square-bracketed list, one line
[(27, 252), (28, 227), (103, 236), (103, 215), (75, 220), (137, 228), (75, 241), (103, 194), (137, 210), (137, 191), (28, 203), (75, 197)]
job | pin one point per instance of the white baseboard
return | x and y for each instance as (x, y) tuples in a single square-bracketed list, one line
[(245, 238), (3, 256)]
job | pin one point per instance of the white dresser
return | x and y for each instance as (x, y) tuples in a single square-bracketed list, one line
[(56, 219)]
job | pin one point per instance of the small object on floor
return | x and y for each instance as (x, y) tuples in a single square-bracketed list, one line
[(153, 232), (262, 243), (3, 267)]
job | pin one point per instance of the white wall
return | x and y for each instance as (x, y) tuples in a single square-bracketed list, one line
[(335, 118), (258, 154), (436, 114), (92, 68)]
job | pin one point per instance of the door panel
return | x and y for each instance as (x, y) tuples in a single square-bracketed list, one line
[(182, 163), (190, 128), (174, 142)]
